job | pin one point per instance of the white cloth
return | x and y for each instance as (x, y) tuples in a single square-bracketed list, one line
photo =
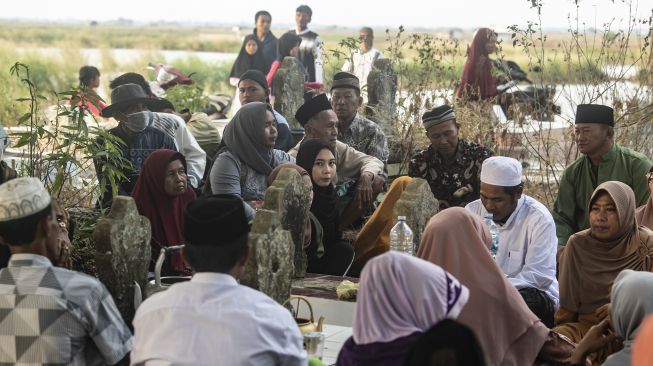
[(361, 64), (317, 54), (212, 320), (527, 246), (501, 171), (175, 127)]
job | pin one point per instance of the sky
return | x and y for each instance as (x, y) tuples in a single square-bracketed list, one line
[(466, 14)]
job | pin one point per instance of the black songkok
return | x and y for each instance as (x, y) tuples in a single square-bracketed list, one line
[(215, 220), (595, 113), (311, 108)]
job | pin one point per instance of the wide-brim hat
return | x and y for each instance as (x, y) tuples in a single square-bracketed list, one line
[(128, 94)]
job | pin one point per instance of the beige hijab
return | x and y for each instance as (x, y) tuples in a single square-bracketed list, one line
[(644, 214), (589, 266), (458, 241)]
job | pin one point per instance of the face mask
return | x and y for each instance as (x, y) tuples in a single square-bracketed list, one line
[(137, 122)]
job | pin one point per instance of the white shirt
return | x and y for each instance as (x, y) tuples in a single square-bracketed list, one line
[(361, 64), (212, 320), (316, 46), (527, 246)]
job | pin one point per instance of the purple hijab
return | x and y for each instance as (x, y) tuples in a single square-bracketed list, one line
[(399, 298)]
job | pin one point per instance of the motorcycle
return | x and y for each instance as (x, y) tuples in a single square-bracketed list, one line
[(518, 93)]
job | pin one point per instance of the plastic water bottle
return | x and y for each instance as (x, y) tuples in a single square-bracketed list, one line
[(494, 232), (401, 237)]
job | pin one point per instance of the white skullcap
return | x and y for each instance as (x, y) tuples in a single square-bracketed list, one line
[(22, 197), (501, 171)]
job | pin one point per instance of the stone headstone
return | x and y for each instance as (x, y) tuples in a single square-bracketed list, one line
[(382, 91), (289, 197), (418, 204), (288, 90), (270, 266), (122, 252)]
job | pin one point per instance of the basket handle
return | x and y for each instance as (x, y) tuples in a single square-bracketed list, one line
[(310, 308)]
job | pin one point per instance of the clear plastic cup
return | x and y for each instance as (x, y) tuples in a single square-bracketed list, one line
[(314, 344)]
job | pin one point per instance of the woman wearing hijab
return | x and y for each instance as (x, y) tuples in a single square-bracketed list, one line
[(318, 159), (161, 194), (477, 82), (250, 57), (450, 342), (244, 163), (593, 258), (399, 298), (458, 241)]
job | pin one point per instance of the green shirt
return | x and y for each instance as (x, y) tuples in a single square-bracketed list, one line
[(578, 183)]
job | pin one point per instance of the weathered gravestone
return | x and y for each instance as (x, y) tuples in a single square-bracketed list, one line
[(270, 267), (382, 91), (122, 252), (288, 90), (418, 204), (289, 197)]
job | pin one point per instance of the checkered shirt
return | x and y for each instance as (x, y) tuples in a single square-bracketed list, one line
[(53, 316)]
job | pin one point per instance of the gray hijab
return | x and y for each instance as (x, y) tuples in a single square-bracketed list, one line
[(632, 300), (244, 136)]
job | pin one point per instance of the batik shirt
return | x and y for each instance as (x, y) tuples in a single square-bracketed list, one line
[(365, 136), (53, 316), (448, 176)]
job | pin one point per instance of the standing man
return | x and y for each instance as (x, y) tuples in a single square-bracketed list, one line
[(451, 165), (267, 41), (50, 315), (602, 160), (354, 129), (360, 63), (527, 235), (215, 320), (310, 50)]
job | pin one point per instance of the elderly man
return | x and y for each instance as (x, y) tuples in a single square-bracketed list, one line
[(602, 160), (354, 129), (130, 106), (212, 320), (360, 63), (450, 165), (253, 87), (173, 126), (526, 246), (359, 175), (267, 41), (50, 315), (310, 50)]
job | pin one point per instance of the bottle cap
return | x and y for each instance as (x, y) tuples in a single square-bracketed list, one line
[(400, 218)]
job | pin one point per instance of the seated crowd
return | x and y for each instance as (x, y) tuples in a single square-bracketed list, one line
[(497, 278)]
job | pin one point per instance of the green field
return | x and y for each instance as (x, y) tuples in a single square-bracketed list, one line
[(422, 60)]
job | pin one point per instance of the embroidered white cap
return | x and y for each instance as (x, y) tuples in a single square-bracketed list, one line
[(501, 171), (22, 197)]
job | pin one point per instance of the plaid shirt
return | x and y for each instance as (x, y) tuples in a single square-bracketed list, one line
[(448, 176), (53, 316), (365, 136)]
